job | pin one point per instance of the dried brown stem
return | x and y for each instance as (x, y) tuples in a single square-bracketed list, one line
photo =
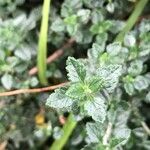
[(54, 56), (37, 90)]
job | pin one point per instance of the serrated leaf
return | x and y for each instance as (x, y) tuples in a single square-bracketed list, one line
[(96, 108), (97, 16), (135, 67), (115, 142), (121, 132), (84, 15), (7, 81), (129, 40), (58, 25), (76, 91), (71, 20), (113, 49), (95, 84), (59, 100), (110, 75), (129, 88), (76, 70), (100, 27), (95, 132), (140, 83), (24, 53), (95, 51), (94, 147)]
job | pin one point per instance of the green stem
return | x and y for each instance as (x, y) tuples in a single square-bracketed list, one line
[(67, 130), (132, 20), (42, 45)]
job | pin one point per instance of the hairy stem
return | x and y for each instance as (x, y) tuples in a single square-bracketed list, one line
[(42, 45), (132, 20), (67, 130)]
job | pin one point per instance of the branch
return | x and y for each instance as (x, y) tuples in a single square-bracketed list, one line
[(24, 91), (54, 56)]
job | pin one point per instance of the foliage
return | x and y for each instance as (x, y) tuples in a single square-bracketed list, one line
[(108, 94)]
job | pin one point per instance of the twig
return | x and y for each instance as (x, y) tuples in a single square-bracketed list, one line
[(107, 134), (54, 56), (37, 90), (145, 127)]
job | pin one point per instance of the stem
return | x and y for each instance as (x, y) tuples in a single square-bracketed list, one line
[(42, 45), (132, 20), (145, 127), (67, 130), (107, 134)]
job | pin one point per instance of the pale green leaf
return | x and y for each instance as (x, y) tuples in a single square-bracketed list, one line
[(76, 91), (140, 83), (76, 70), (58, 100), (95, 132), (96, 108), (110, 75), (7, 81)]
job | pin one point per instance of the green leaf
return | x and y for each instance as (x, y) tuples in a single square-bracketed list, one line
[(114, 48), (24, 53), (95, 132), (100, 27), (76, 91), (97, 16), (95, 83), (129, 40), (121, 132), (115, 142), (140, 83), (95, 51), (135, 68), (58, 25), (58, 100), (7, 81), (96, 108), (71, 20), (72, 29), (76, 70), (84, 15), (122, 135), (94, 147), (129, 88), (110, 75)]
